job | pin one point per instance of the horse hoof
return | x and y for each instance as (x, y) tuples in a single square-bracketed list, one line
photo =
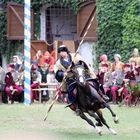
[(98, 131), (112, 131), (116, 119)]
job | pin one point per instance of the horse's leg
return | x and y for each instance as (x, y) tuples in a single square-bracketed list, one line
[(116, 119), (83, 116), (96, 117), (100, 114)]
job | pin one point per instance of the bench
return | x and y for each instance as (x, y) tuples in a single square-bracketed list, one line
[(44, 86)]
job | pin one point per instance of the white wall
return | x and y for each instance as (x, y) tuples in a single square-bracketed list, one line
[(86, 51)]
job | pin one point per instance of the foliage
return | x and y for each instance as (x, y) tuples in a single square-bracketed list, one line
[(131, 26), (111, 32)]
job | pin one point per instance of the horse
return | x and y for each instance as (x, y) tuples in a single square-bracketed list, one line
[(88, 99)]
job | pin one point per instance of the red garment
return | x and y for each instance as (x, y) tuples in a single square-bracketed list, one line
[(50, 61), (9, 79), (130, 75), (100, 76), (10, 83)]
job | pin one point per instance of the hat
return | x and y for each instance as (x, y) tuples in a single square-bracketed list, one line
[(11, 66), (105, 65), (63, 48), (117, 55), (127, 65), (102, 57)]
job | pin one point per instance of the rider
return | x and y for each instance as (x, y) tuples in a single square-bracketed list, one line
[(61, 67)]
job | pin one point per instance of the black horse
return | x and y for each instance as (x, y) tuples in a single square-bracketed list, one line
[(88, 99)]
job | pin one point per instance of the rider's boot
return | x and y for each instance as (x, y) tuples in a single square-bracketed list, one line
[(102, 93), (74, 107)]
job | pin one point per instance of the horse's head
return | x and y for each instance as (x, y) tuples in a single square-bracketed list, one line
[(79, 73)]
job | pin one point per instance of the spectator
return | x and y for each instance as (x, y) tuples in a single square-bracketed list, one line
[(38, 58), (104, 60), (3, 97), (13, 89), (44, 72), (117, 82), (35, 82), (17, 62), (48, 59), (117, 64), (135, 57)]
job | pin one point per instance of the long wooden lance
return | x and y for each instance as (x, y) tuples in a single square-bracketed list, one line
[(63, 81)]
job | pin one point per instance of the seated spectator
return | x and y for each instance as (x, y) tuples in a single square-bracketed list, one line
[(137, 75), (38, 58), (117, 82), (133, 65), (3, 98), (35, 82), (13, 88), (117, 64), (104, 77), (48, 59), (128, 76), (135, 57)]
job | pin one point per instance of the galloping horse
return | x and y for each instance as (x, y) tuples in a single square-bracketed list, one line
[(88, 99)]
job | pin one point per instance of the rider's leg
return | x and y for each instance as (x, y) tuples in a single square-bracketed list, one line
[(100, 89)]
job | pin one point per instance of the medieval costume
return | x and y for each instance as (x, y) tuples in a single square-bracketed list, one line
[(13, 88)]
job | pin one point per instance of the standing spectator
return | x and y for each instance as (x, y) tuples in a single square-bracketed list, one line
[(135, 57), (38, 58), (107, 78), (44, 72), (104, 60), (117, 64), (13, 88), (17, 62), (48, 59)]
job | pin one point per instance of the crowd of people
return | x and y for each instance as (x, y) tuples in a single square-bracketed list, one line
[(118, 79), (12, 80), (113, 77)]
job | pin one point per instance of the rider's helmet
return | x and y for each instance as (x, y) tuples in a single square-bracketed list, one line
[(63, 48)]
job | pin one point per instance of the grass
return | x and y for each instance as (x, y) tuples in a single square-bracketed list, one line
[(25, 122)]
